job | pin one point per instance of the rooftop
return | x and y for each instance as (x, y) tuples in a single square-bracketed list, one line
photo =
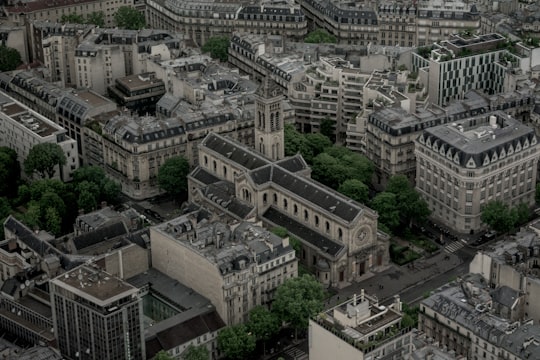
[(95, 285)]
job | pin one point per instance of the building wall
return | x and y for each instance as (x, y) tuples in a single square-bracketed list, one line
[(324, 345), (193, 270), (127, 262)]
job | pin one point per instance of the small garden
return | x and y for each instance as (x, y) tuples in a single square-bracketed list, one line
[(402, 255)]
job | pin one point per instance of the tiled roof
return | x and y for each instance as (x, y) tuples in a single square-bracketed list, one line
[(294, 227), (235, 152), (104, 233)]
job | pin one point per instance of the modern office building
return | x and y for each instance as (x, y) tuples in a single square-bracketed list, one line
[(466, 62), (461, 166), (138, 93), (235, 267), (96, 315), (360, 328)]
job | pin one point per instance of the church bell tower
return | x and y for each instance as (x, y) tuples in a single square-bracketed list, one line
[(269, 133)]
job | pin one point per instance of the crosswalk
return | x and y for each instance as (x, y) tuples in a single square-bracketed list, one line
[(453, 247), (296, 353)]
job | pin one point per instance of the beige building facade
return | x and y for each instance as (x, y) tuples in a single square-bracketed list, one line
[(236, 267), (463, 165)]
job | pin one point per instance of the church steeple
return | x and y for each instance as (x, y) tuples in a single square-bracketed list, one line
[(269, 135)]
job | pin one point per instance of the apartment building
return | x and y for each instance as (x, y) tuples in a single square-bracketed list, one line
[(391, 131), (466, 63), (460, 317), (259, 55), (24, 12), (236, 267), (202, 20), (71, 109), (108, 54), (382, 89), (512, 262), (97, 315), (438, 19), (14, 36), (350, 23), (22, 129), (134, 147), (463, 165), (138, 93), (397, 24), (360, 328), (330, 90)]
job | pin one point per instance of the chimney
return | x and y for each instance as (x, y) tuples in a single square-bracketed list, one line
[(354, 299), (397, 303), (362, 295)]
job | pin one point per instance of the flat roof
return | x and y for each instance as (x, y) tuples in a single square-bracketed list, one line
[(101, 287)]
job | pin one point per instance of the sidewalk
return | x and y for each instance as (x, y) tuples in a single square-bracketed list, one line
[(396, 279)]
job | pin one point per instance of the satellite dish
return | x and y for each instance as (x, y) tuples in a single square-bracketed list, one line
[(27, 283), (79, 277), (22, 286)]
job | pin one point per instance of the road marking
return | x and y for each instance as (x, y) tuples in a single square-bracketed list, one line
[(296, 353), (453, 247)]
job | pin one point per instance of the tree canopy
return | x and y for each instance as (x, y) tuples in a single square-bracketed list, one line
[(337, 164), (127, 17), (298, 299), (163, 355), (96, 18), (409, 203), (356, 190), (10, 172), (502, 218), (235, 342), (10, 58), (385, 203), (320, 36), (43, 159), (263, 324), (172, 175), (218, 47), (72, 18), (309, 145)]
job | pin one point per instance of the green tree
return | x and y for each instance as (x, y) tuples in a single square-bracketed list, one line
[(107, 189), (235, 342), (355, 189), (39, 187), (327, 128), (5, 210), (337, 164), (172, 175), (163, 355), (498, 216), (320, 36), (9, 58), (410, 205), (218, 47), (523, 213), (262, 324), (10, 172), (87, 201), (31, 216), (316, 144), (298, 299), (52, 200), (43, 159), (52, 221), (129, 18), (196, 353), (96, 18), (72, 19), (385, 203)]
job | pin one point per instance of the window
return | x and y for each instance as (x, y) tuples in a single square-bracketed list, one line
[(275, 199), (215, 165), (327, 226), (285, 204), (316, 221), (306, 215), (265, 198)]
